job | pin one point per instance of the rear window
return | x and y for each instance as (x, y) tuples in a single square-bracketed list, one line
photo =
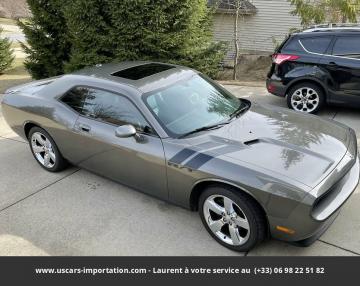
[(347, 46), (292, 45), (317, 45), (139, 72)]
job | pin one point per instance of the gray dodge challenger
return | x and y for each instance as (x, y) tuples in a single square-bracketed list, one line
[(251, 171)]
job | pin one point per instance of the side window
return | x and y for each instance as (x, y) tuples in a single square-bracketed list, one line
[(105, 106), (292, 45), (317, 45), (75, 98), (347, 46)]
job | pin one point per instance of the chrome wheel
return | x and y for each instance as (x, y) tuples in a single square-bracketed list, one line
[(226, 220), (43, 150), (305, 99)]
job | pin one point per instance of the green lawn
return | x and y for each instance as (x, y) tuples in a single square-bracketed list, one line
[(7, 21), (16, 75)]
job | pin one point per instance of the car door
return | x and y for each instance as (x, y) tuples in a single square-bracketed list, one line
[(137, 161), (343, 67)]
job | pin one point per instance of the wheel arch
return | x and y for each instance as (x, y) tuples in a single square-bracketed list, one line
[(27, 127), (315, 81), (202, 185)]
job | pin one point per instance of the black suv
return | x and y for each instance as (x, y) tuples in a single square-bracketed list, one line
[(317, 66)]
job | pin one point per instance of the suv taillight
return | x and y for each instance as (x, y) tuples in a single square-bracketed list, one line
[(281, 58)]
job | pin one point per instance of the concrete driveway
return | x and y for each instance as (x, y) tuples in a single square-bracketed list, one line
[(78, 213)]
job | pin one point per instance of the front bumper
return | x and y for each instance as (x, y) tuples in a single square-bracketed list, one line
[(310, 240), (332, 200), (308, 220)]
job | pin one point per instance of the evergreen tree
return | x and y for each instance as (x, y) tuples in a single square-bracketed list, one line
[(47, 41), (175, 31), (89, 30), (6, 53)]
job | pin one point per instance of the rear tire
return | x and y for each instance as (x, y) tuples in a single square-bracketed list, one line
[(45, 151), (306, 97), (232, 218)]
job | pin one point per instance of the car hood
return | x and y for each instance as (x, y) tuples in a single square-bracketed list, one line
[(302, 147)]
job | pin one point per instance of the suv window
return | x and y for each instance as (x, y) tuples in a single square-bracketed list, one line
[(347, 46), (292, 45), (105, 106), (317, 45)]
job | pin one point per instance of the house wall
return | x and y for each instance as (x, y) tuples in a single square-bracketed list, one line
[(256, 32), (14, 9)]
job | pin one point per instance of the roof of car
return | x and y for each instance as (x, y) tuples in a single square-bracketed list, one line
[(142, 75), (330, 29)]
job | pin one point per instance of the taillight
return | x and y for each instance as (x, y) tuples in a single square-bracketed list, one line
[(271, 88), (281, 58)]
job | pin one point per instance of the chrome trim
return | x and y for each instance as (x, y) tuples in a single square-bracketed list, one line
[(325, 55)]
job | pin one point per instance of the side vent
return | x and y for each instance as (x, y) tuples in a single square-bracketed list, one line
[(252, 142)]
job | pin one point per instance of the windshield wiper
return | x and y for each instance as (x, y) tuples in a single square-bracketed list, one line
[(204, 128), (236, 113), (239, 110)]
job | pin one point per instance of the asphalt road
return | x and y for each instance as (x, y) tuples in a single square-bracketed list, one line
[(78, 213)]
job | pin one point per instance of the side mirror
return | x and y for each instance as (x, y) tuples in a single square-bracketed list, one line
[(125, 131)]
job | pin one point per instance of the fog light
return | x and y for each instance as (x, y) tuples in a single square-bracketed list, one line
[(285, 229)]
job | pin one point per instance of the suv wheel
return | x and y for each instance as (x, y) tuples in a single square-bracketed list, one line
[(232, 218), (305, 97)]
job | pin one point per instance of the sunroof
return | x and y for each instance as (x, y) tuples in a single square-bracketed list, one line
[(142, 71)]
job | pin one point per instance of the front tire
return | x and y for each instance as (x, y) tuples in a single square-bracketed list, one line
[(45, 151), (232, 218), (306, 97)]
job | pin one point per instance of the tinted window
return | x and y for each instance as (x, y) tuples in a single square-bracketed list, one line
[(75, 98), (316, 45), (292, 45), (347, 46), (142, 71), (105, 106)]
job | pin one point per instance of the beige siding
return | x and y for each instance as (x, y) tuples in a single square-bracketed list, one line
[(256, 32)]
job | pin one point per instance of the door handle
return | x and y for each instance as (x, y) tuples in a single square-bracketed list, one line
[(333, 64), (84, 127)]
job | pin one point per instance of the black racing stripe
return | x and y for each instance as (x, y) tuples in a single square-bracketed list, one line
[(198, 161), (182, 156), (208, 145), (202, 158), (186, 153), (227, 149)]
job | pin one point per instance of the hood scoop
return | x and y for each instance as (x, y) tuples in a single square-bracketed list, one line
[(252, 142)]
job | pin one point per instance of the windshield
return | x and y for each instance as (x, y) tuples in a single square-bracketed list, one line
[(191, 104)]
